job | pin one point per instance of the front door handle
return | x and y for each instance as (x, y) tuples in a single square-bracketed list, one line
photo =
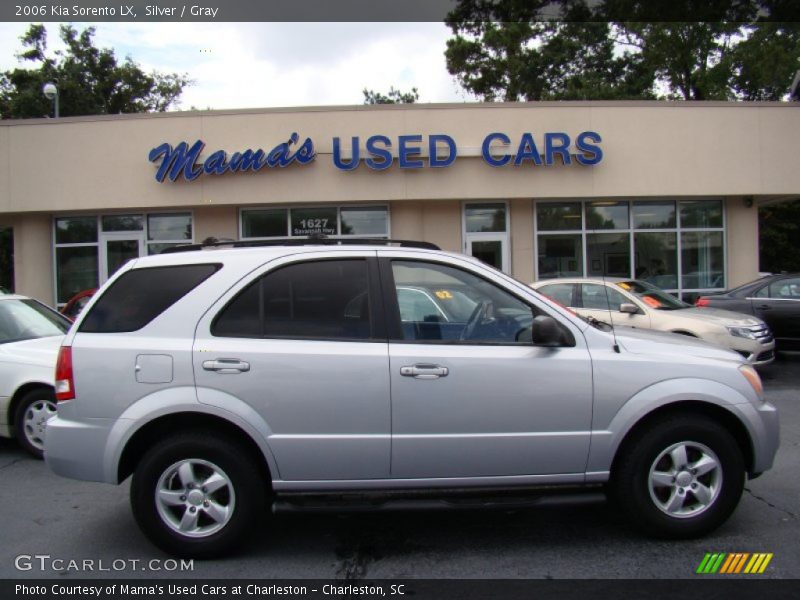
[(226, 365), (424, 371)]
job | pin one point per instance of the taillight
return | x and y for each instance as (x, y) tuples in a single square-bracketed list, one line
[(65, 382), (701, 301)]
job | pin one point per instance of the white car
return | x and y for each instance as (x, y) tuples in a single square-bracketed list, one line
[(635, 303), (30, 335)]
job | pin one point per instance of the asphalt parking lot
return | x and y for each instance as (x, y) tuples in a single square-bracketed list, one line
[(43, 514)]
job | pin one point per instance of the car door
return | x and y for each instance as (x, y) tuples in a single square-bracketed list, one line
[(302, 343), (603, 301), (779, 305), (471, 398)]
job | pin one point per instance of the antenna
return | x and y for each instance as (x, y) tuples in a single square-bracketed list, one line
[(608, 302)]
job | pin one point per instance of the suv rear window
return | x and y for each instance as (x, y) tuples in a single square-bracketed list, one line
[(326, 299), (140, 295)]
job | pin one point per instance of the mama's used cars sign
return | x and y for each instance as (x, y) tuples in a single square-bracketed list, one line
[(379, 153)]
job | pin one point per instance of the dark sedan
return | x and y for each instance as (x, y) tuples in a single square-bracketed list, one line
[(775, 299)]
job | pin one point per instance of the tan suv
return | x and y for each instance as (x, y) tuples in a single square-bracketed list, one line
[(633, 303)]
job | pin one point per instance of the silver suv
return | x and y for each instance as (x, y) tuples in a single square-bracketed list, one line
[(226, 381)]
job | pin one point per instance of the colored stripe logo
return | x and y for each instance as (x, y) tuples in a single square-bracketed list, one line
[(730, 563)]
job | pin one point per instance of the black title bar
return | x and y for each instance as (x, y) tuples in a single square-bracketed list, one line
[(398, 10)]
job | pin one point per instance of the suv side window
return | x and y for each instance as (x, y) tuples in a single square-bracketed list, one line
[(140, 295), (458, 306), (595, 298), (326, 299)]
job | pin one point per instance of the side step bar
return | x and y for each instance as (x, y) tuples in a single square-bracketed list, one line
[(339, 504)]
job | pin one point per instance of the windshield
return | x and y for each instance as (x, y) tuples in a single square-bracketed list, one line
[(651, 295), (28, 320)]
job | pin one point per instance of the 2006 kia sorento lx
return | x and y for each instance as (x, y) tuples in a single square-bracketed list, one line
[(229, 380)]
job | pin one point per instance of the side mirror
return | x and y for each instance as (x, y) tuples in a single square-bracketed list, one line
[(629, 308), (545, 331)]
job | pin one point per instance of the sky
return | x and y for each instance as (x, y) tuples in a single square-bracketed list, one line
[(253, 65)]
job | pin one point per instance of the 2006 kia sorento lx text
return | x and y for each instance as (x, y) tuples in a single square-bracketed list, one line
[(226, 381)]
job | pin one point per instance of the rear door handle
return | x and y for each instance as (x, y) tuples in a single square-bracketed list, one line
[(226, 365), (424, 371)]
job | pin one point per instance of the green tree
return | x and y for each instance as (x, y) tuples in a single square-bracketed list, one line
[(505, 50), (624, 49), (90, 80), (393, 97)]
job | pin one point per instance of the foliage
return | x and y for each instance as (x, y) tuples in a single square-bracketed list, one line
[(393, 97), (624, 49), (90, 80)]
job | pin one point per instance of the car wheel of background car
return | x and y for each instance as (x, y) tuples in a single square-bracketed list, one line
[(199, 496), (680, 478), (30, 419)]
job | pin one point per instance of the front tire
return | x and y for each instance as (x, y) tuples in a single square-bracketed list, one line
[(30, 419), (197, 496), (680, 478)]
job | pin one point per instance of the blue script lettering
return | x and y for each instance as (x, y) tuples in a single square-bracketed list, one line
[(184, 161)]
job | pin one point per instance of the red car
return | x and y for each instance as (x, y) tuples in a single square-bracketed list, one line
[(75, 305)]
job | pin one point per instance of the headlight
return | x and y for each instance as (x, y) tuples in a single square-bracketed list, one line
[(742, 332), (753, 378)]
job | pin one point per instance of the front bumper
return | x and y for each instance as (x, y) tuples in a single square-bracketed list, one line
[(78, 448), (754, 352)]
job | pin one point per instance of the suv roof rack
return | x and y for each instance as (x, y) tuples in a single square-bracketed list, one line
[(306, 241)]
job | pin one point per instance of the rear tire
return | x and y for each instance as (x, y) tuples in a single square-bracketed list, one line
[(198, 496), (680, 478), (30, 418)]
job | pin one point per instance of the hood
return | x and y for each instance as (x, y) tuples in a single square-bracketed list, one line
[(648, 341), (717, 316), (41, 351)]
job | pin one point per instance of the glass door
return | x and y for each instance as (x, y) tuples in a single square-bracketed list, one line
[(117, 249), (486, 233), (492, 251)]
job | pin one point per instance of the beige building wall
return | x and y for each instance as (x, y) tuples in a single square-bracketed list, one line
[(742, 240), (216, 221), (651, 150), (33, 257), (433, 221), (522, 257)]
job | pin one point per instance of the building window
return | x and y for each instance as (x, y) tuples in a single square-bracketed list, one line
[(90, 248), (675, 245), (122, 222), (76, 230), (265, 223), (560, 256), (361, 221), (558, 216), (76, 270), (370, 221), (485, 218), (167, 230)]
